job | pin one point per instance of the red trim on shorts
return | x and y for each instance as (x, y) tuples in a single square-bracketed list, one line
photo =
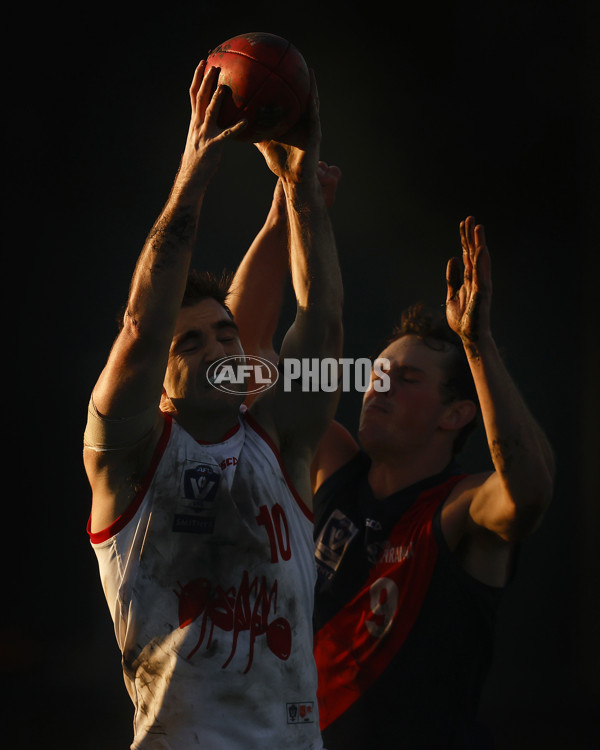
[(122, 521), (261, 432)]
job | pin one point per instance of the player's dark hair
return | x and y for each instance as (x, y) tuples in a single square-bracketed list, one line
[(203, 285), (200, 285), (432, 328)]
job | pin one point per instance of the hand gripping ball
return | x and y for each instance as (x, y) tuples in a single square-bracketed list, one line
[(269, 83)]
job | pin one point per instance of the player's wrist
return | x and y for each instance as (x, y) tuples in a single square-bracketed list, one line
[(303, 184), (477, 346), (278, 211), (192, 181)]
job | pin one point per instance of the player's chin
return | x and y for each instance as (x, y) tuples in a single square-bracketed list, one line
[(365, 432), (211, 395), (372, 427)]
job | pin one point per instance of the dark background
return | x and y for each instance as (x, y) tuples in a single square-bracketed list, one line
[(433, 113)]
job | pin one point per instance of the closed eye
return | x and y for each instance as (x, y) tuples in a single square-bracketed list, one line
[(189, 342), (409, 374), (227, 331)]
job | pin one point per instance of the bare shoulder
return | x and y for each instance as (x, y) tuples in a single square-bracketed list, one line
[(335, 449), (455, 511), (261, 411), (308, 468), (481, 553), (294, 454)]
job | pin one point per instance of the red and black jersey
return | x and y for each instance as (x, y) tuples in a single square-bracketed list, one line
[(403, 635)]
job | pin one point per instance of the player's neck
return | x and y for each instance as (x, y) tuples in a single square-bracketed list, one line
[(388, 475), (206, 427)]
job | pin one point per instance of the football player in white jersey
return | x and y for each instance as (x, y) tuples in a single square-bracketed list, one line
[(150, 456)]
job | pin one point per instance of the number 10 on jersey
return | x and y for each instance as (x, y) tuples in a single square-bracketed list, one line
[(276, 525)]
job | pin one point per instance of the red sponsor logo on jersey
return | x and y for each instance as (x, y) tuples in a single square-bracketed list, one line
[(246, 608), (232, 461)]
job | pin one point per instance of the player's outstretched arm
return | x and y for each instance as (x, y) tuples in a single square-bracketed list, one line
[(512, 500), (127, 393), (132, 379), (300, 418), (256, 292)]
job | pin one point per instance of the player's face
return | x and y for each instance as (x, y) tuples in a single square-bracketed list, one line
[(404, 418), (204, 333)]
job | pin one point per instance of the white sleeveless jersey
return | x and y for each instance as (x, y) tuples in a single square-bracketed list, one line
[(209, 577)]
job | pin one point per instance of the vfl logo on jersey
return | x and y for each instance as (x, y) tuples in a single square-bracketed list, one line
[(300, 713), (199, 486), (332, 543)]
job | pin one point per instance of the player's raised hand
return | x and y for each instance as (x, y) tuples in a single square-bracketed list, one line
[(205, 136), (328, 176), (294, 156), (469, 290)]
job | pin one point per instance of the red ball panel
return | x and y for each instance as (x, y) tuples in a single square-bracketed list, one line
[(293, 69), (267, 48), (269, 84)]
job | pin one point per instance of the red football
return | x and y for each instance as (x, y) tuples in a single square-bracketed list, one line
[(269, 82)]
